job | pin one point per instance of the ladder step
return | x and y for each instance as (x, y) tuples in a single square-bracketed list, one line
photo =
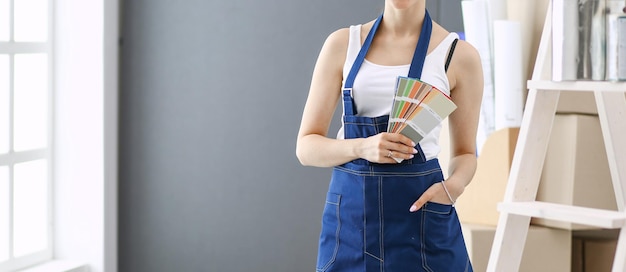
[(581, 86), (580, 215)]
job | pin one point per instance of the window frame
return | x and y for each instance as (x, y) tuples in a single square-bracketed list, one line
[(11, 48)]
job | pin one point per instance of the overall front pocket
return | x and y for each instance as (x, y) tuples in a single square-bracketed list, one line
[(329, 237), (444, 248)]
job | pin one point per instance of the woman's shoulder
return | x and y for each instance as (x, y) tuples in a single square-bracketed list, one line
[(341, 37), (338, 38), (465, 65), (333, 52), (464, 53), (467, 55), (465, 62), (338, 41)]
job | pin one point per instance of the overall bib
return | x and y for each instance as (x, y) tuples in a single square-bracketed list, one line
[(366, 223)]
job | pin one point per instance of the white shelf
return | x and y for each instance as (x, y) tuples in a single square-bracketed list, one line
[(580, 86), (581, 215), (519, 203)]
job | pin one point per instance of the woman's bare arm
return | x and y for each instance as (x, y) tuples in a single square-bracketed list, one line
[(314, 148), (466, 80), (463, 122)]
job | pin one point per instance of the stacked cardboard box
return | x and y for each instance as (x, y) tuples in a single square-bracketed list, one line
[(592, 255), (546, 249), (478, 202), (576, 168), (577, 103), (593, 251), (575, 173)]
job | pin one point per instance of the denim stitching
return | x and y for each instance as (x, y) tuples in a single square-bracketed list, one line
[(378, 126), (380, 220), (332, 259), (422, 248), (365, 228), (372, 255), (380, 243), (358, 123), (448, 211), (437, 212), (375, 173), (424, 262)]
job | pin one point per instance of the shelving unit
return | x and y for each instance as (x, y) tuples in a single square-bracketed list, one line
[(577, 86), (519, 203)]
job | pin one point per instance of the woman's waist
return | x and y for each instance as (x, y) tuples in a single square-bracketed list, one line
[(407, 169)]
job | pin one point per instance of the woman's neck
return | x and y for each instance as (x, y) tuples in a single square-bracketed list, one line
[(406, 21)]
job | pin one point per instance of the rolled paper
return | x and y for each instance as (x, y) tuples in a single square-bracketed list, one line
[(476, 21), (508, 75)]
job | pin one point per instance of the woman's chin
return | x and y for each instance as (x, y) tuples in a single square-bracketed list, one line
[(403, 4)]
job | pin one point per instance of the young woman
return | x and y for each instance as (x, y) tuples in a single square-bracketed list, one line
[(381, 215)]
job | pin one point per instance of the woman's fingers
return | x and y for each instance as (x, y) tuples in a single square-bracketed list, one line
[(395, 147), (393, 155), (384, 147), (419, 203), (399, 143), (399, 138), (434, 193)]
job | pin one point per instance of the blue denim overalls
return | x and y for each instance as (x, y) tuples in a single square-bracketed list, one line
[(366, 223)]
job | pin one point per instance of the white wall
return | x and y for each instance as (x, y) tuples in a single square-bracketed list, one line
[(85, 132)]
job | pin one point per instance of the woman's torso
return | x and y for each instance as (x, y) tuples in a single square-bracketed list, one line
[(374, 86)]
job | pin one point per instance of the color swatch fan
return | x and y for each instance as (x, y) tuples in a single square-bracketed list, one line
[(418, 108)]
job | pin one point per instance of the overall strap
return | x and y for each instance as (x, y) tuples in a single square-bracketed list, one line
[(450, 54), (348, 102), (415, 71), (421, 50)]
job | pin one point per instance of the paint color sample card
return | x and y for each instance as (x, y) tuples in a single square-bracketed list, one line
[(418, 108)]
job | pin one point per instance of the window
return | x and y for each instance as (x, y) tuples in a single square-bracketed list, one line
[(25, 132)]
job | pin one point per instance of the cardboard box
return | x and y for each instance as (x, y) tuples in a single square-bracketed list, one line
[(593, 255), (577, 102), (578, 261), (599, 255), (576, 170), (546, 249), (596, 234), (478, 203)]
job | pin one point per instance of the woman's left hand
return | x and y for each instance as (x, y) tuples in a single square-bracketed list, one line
[(435, 193)]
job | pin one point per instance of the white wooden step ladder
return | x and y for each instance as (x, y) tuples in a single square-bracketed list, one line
[(519, 203)]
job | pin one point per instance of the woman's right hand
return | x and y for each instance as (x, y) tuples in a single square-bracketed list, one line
[(384, 147)]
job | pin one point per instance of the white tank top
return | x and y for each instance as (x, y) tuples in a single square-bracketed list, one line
[(374, 84)]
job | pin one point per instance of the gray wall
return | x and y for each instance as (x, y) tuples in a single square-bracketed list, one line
[(447, 13), (211, 98)]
